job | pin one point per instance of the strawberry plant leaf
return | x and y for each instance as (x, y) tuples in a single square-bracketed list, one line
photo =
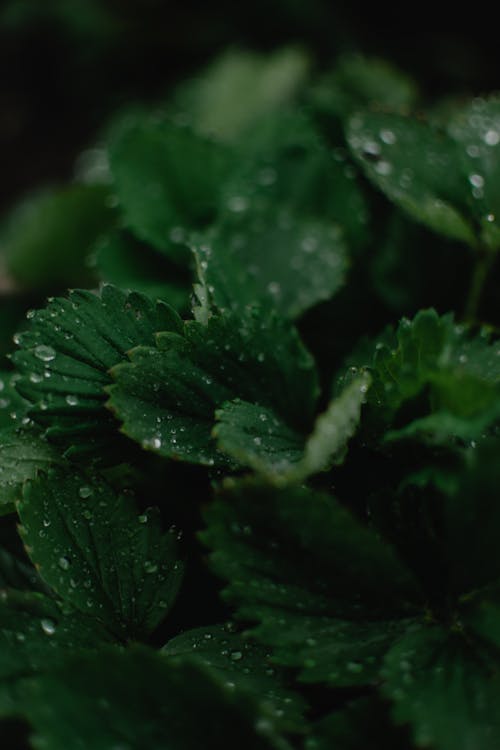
[(471, 524), (335, 427), (36, 636), (180, 173), (241, 664), (255, 437), (417, 167), (289, 266), (21, 455), (286, 169), (444, 685), (323, 615), (289, 214), (240, 89), (18, 574), (476, 130), (457, 375), (66, 354), (485, 620), (358, 82), (98, 553), (167, 396), (363, 723), (12, 405), (139, 699), (125, 263), (48, 237)]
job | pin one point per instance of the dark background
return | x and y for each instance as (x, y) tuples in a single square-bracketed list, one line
[(65, 65)]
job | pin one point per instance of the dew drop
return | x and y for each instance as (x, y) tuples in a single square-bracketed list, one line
[(64, 563), (48, 626), (309, 244), (383, 168), (177, 235), (371, 147), (237, 203), (388, 136), (476, 180), (150, 567), (267, 176), (263, 726), (274, 288), (491, 137), (45, 353), (72, 400), (85, 492), (354, 667)]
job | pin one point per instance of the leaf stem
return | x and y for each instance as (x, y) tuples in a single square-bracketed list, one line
[(484, 261)]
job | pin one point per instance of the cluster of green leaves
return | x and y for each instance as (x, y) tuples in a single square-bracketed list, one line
[(301, 426)]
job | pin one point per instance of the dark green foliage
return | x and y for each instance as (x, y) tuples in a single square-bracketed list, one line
[(48, 238), (67, 353), (167, 395), (249, 467), (143, 701), (98, 553)]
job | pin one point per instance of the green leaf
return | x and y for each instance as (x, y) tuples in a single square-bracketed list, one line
[(48, 237), (17, 574), (167, 397), (329, 596), (417, 167), (12, 406), (289, 265), (241, 88), (485, 619), (240, 664), (21, 455), (335, 427), (456, 377), (167, 179), (471, 523), (36, 636), (67, 352), (358, 82), (446, 686), (125, 263), (363, 723), (285, 162), (476, 129), (255, 437), (138, 699), (98, 553)]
